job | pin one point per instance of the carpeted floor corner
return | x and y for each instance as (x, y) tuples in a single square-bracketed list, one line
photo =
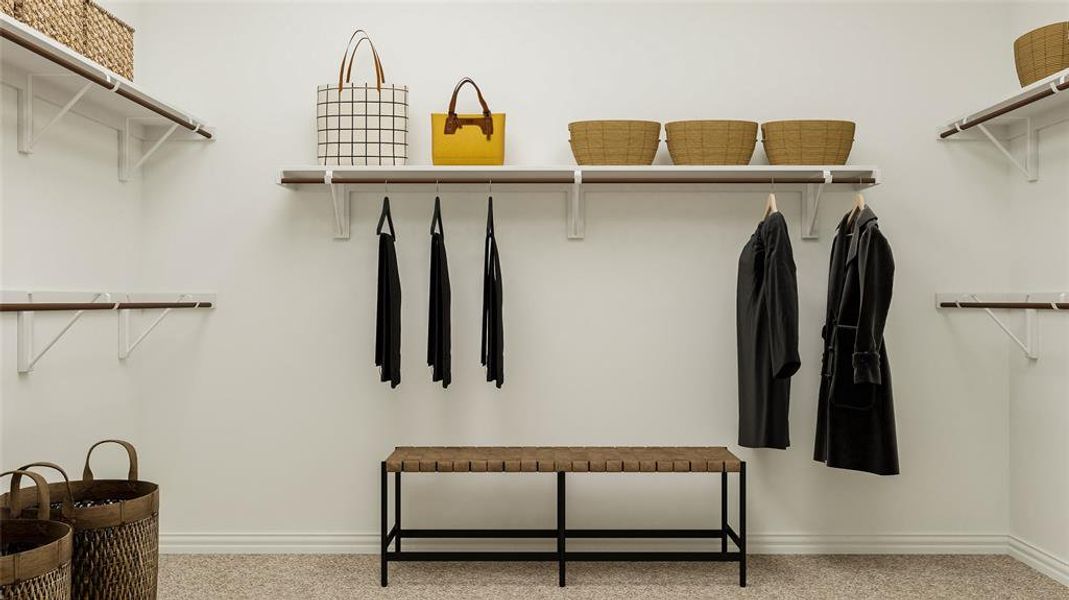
[(854, 577)]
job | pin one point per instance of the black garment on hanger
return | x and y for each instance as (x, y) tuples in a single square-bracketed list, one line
[(439, 335), (493, 336), (855, 413), (767, 326), (388, 306)]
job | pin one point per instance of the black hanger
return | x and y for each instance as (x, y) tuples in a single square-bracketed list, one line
[(386, 216)]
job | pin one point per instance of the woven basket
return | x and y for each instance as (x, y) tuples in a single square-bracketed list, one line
[(7, 7), (1042, 52), (35, 554), (807, 142), (614, 142), (711, 142), (116, 530), (61, 20), (108, 40)]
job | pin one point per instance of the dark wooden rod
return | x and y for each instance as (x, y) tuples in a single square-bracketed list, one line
[(1019, 305), (97, 79), (707, 180), (55, 306), (1039, 95)]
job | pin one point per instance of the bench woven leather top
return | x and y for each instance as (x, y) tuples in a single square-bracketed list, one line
[(666, 459)]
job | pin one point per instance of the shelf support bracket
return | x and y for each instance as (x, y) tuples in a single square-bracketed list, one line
[(1030, 168), (576, 209), (126, 169), (1028, 344), (339, 197), (126, 347), (26, 356), (811, 198), (27, 138)]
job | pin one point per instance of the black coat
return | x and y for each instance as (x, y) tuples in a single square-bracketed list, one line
[(767, 326), (855, 415), (439, 332), (493, 334), (388, 304)]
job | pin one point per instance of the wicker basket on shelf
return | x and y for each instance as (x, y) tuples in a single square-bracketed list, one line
[(7, 7), (1042, 52), (711, 142), (61, 20), (614, 142), (807, 142), (108, 40)]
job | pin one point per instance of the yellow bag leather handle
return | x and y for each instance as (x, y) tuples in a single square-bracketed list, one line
[(345, 73), (454, 122), (43, 502)]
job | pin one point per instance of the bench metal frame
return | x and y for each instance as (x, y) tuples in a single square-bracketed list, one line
[(562, 556)]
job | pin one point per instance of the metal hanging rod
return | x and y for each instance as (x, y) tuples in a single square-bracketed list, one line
[(1008, 305), (1046, 91), (116, 86), (61, 306)]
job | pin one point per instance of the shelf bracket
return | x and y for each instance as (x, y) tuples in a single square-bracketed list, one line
[(126, 347), (27, 138), (126, 169), (26, 356), (339, 197), (1030, 168), (576, 209), (1028, 344), (811, 198)]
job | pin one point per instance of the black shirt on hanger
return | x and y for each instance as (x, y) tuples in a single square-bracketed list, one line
[(388, 305), (439, 333), (493, 334), (767, 328)]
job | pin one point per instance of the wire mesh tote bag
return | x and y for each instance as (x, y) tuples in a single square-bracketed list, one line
[(361, 124), (116, 530), (35, 554)]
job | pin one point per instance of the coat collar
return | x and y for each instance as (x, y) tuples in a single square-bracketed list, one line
[(861, 222)]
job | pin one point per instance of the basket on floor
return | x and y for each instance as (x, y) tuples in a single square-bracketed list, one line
[(807, 142), (116, 530), (108, 40), (1042, 52), (61, 20), (711, 142), (614, 142), (35, 554)]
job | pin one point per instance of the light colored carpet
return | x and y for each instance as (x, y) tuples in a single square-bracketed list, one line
[(323, 577)]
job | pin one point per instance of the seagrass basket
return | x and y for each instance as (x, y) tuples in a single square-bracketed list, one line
[(116, 530), (61, 20), (711, 142), (1042, 52), (807, 142), (108, 40), (7, 7), (614, 142), (35, 554)]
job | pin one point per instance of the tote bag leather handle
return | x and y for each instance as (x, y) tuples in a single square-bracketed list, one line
[(345, 73), (87, 472), (68, 502), (43, 502), (453, 122)]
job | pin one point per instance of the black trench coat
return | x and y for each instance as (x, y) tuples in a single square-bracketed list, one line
[(855, 415)]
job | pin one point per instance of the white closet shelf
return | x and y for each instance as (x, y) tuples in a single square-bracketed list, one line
[(807, 179), (1043, 96), (39, 67)]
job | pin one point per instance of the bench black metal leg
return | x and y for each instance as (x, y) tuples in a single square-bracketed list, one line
[(560, 529), (724, 507), (742, 524), (397, 509), (384, 545)]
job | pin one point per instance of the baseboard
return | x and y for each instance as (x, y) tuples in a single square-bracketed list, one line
[(368, 543), (1040, 560)]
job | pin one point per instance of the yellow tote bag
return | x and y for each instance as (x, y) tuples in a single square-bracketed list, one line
[(468, 139)]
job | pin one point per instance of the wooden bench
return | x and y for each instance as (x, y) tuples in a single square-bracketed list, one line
[(562, 460)]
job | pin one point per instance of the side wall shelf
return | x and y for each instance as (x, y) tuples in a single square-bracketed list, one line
[(809, 181)]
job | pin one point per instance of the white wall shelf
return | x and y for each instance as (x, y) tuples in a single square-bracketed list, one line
[(1029, 302), (27, 304), (809, 181), (43, 69), (1014, 113)]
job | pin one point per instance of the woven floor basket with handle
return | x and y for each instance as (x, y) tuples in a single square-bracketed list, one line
[(808, 142), (116, 530), (1042, 52), (35, 554)]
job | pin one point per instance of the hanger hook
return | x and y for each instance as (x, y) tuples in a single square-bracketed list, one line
[(490, 186), (772, 185), (385, 187), (436, 187)]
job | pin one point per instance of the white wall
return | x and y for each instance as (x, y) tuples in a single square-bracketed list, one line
[(1039, 390), (626, 337)]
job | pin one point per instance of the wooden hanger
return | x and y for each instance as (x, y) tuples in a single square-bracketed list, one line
[(770, 203), (859, 203)]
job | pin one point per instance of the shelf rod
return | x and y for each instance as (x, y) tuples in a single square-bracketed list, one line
[(1010, 305), (427, 180), (1046, 91), (61, 306), (103, 82)]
